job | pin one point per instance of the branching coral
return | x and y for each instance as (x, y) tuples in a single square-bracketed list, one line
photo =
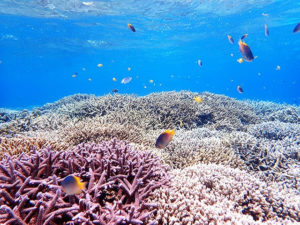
[(118, 182), (20, 144), (215, 194)]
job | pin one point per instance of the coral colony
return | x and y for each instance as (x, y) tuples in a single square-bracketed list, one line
[(229, 162)]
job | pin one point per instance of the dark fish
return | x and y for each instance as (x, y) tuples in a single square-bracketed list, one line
[(240, 89), (164, 139), (297, 28), (114, 90), (230, 39), (246, 51), (244, 36), (266, 30), (131, 27)]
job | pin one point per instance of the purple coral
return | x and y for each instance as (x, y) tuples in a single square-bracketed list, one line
[(118, 183)]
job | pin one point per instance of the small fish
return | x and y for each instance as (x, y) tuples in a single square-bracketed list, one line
[(198, 99), (114, 90), (129, 68), (160, 85), (231, 54), (100, 65), (239, 89), (240, 60), (72, 185), (297, 28), (278, 67), (151, 81), (90, 79), (114, 79), (259, 74), (266, 30), (199, 62), (88, 3), (126, 80), (164, 139), (265, 14), (230, 39), (131, 27), (244, 36), (83, 69), (145, 86), (74, 75), (180, 123), (246, 51)]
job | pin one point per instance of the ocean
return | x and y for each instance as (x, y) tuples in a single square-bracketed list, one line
[(165, 112)]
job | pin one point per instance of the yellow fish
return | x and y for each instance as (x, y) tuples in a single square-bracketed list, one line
[(180, 123), (114, 79), (240, 60), (151, 81), (129, 68), (100, 65), (164, 139), (72, 185), (74, 75), (278, 67), (198, 99)]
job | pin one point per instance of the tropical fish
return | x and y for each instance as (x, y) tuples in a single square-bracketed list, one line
[(180, 123), (129, 68), (145, 86), (114, 90), (100, 65), (278, 67), (164, 139), (240, 60), (126, 80), (297, 28), (265, 14), (230, 39), (75, 75), (114, 79), (131, 27), (198, 99), (239, 89), (231, 54), (90, 79), (199, 62), (244, 36), (151, 81), (246, 51), (72, 185), (266, 30)]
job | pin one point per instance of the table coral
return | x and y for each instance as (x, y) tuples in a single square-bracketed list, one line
[(118, 182)]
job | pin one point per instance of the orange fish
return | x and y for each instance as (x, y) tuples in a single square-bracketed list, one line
[(246, 51), (72, 185), (131, 27), (230, 39), (239, 89), (164, 139)]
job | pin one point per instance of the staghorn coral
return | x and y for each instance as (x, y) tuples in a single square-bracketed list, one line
[(215, 194), (21, 144), (118, 183), (200, 145)]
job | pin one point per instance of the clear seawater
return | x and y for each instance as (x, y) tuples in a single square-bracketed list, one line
[(44, 42)]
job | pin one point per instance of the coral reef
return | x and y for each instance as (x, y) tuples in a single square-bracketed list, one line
[(21, 144), (216, 194), (119, 181)]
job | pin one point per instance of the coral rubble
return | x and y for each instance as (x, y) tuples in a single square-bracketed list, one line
[(118, 183)]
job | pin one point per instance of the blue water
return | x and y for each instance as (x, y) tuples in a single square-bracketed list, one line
[(43, 43)]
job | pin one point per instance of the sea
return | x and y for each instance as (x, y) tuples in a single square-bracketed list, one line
[(149, 112)]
